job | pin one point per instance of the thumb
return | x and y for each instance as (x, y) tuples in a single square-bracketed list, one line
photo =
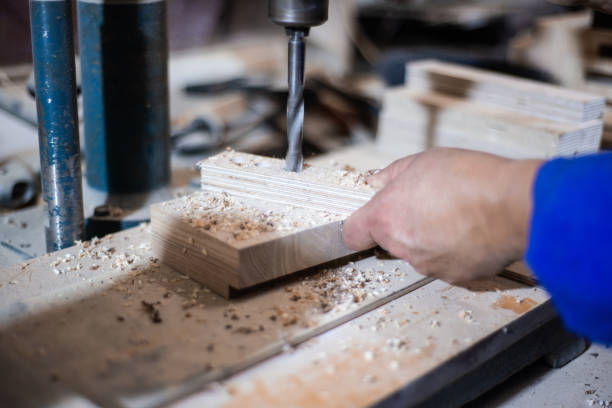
[(381, 178), (356, 229)]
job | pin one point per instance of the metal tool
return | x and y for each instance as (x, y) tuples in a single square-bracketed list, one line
[(124, 51), (58, 125), (297, 16), (124, 73)]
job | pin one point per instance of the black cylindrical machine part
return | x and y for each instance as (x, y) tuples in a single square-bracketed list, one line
[(298, 13), (124, 69)]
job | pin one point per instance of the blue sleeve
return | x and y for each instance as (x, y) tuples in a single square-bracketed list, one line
[(570, 241)]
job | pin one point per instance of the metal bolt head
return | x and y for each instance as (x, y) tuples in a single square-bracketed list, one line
[(102, 211)]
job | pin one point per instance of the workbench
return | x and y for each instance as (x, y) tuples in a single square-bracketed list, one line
[(105, 320), (85, 335), (99, 336)]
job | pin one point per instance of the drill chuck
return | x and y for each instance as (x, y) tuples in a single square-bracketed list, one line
[(298, 13)]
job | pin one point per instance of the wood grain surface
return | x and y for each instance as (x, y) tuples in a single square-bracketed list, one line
[(303, 215)]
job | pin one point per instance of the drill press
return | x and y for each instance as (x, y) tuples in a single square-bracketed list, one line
[(297, 16)]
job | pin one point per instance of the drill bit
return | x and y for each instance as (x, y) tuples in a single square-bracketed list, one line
[(295, 101)]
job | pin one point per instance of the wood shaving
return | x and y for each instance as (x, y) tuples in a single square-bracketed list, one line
[(152, 311), (598, 402), (99, 250), (369, 379), (334, 289), (467, 316), (222, 213), (396, 344)]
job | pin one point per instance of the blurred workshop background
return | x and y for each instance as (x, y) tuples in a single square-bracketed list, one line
[(227, 71)]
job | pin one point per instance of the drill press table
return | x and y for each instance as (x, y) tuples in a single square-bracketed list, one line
[(103, 323), (120, 336)]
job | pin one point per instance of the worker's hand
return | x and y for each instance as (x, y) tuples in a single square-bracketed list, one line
[(453, 214)]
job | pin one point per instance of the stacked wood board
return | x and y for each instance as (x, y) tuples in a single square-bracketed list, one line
[(598, 73), (606, 138), (520, 95), (554, 44), (597, 43), (450, 105), (322, 188), (254, 222), (574, 52)]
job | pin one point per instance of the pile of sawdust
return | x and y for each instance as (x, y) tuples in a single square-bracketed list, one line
[(220, 212)]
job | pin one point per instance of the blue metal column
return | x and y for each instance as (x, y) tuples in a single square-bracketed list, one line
[(58, 126), (124, 70)]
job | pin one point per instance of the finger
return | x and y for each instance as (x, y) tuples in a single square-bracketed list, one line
[(356, 230), (381, 178)]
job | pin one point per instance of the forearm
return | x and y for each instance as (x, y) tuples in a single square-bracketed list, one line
[(518, 177)]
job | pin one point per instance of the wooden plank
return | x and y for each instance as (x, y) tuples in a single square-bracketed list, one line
[(223, 261), (606, 139), (555, 46), (363, 157), (322, 188), (109, 346), (519, 95), (596, 50), (601, 86), (420, 120), (520, 272), (254, 222), (598, 67)]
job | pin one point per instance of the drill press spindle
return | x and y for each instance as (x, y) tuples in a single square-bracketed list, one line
[(297, 16)]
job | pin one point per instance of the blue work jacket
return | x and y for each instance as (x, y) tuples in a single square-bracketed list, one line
[(570, 241)]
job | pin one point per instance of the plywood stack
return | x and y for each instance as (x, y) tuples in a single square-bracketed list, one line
[(574, 49), (606, 138), (450, 105), (598, 72), (597, 43), (555, 45), (254, 222)]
